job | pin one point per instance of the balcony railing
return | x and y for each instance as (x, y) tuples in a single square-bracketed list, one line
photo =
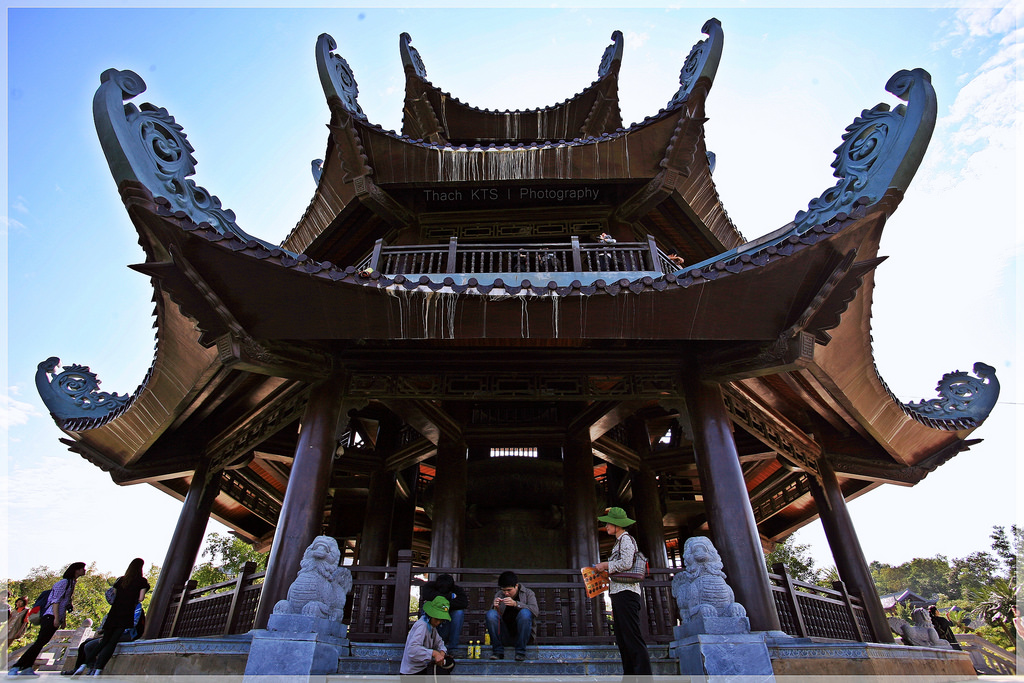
[(540, 263), (378, 608)]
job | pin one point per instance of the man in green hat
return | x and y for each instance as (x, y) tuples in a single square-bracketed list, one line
[(626, 596), (425, 651)]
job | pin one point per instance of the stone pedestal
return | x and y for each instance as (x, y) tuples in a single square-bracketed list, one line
[(740, 657), (296, 645)]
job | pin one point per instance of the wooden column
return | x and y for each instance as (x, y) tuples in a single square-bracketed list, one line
[(650, 530), (730, 516), (380, 503), (380, 506), (303, 508), (842, 539), (184, 546), (449, 513), (403, 521), (581, 509)]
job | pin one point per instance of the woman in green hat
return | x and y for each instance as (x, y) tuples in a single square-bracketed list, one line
[(425, 651), (626, 596)]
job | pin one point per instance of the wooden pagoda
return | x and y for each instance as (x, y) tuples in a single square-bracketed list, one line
[(491, 326)]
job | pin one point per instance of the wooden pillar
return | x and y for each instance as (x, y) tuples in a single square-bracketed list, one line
[(580, 501), (842, 539), (403, 522), (380, 506), (730, 516), (303, 508), (184, 546), (650, 531), (449, 513), (380, 503)]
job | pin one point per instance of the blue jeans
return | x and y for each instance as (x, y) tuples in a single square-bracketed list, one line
[(451, 631), (502, 635)]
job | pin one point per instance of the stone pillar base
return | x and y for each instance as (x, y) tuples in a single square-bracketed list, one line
[(723, 658), (296, 645)]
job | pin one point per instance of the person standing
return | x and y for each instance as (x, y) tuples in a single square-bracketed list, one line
[(943, 627), (626, 596), (53, 617), (129, 589), (18, 621)]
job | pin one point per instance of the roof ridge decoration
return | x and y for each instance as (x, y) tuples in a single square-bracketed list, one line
[(74, 393), (411, 56), (336, 76), (881, 149), (702, 62), (145, 144), (964, 401), (611, 60)]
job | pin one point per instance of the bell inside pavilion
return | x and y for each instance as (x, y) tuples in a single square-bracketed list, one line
[(489, 327)]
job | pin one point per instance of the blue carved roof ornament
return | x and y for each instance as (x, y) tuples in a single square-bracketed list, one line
[(411, 56), (612, 57), (74, 393), (701, 62), (962, 398), (881, 149), (145, 144), (336, 76)]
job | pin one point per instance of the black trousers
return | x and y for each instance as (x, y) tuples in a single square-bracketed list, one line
[(46, 630), (632, 649)]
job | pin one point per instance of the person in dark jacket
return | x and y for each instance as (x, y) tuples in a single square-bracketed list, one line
[(130, 590), (445, 586), (943, 627)]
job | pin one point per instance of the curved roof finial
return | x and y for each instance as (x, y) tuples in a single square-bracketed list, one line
[(611, 60), (336, 76), (962, 398), (881, 149), (411, 56), (702, 62), (148, 146)]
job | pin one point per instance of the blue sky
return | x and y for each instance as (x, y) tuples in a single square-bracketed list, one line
[(243, 83)]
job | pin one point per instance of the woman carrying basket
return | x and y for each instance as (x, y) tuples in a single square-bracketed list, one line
[(625, 594)]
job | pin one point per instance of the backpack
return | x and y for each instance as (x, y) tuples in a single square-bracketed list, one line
[(36, 613)]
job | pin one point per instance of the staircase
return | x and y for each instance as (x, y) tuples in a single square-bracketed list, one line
[(544, 661)]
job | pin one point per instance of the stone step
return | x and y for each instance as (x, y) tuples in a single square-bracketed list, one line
[(543, 662)]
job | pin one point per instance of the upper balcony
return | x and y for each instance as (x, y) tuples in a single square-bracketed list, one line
[(514, 263)]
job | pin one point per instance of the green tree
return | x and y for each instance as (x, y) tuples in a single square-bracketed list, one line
[(225, 557), (995, 604), (970, 574), (1010, 551), (796, 557)]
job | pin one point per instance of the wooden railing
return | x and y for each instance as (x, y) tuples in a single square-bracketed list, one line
[(455, 258), (378, 608), (806, 609), (988, 659), (221, 609), (380, 600)]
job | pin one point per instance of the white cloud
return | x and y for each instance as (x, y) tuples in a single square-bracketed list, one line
[(8, 223), (14, 412), (19, 205)]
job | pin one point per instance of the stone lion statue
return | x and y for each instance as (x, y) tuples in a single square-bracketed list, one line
[(322, 586), (701, 588), (920, 633)]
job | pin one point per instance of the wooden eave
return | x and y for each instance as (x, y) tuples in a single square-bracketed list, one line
[(591, 112), (676, 194)]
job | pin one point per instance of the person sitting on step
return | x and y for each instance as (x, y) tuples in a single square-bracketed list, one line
[(512, 617)]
